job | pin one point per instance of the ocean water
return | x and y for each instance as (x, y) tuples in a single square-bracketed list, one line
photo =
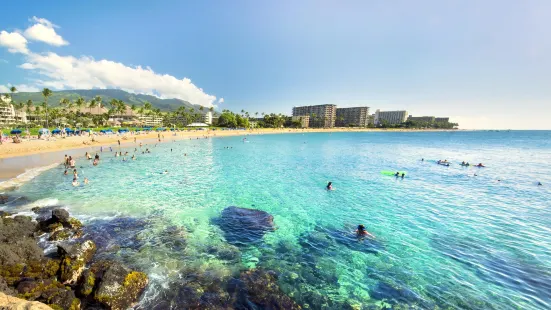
[(445, 238)]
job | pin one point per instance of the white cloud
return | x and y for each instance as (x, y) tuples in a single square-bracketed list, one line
[(20, 88), (14, 42), (44, 31), (86, 72), (68, 72), (43, 21)]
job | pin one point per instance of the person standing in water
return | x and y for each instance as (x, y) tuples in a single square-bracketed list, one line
[(329, 186)]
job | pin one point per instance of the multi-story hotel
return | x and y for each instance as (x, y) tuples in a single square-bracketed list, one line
[(428, 119), (8, 113), (358, 117), (390, 117), (320, 115)]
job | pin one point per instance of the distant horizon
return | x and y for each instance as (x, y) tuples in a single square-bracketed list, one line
[(461, 60)]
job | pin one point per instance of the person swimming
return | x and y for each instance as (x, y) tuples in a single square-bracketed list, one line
[(166, 172), (75, 182), (397, 174), (75, 174), (539, 184), (329, 186), (360, 232), (133, 157), (422, 159), (403, 175), (66, 172), (86, 181), (480, 165)]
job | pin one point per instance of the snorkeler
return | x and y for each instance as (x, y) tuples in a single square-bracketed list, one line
[(362, 232), (329, 186)]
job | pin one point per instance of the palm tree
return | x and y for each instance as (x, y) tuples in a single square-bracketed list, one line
[(98, 102), (12, 90), (201, 108), (211, 109), (80, 103), (46, 93), (92, 105)]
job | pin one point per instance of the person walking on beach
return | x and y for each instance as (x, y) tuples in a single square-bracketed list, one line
[(119, 141)]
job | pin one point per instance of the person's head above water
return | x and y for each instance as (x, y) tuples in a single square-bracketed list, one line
[(361, 227)]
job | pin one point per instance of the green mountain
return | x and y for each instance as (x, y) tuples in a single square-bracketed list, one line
[(106, 96)]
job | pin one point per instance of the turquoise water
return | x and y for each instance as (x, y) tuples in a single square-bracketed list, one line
[(444, 237)]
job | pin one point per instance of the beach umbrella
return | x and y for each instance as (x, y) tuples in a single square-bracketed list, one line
[(56, 131), (15, 131), (43, 130)]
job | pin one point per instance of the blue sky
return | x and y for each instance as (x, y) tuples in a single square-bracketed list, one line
[(487, 64)]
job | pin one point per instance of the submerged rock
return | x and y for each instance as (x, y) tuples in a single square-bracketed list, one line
[(259, 288), (120, 287), (122, 232), (244, 226), (74, 259)]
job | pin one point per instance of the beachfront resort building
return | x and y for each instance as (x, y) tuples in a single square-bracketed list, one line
[(9, 114), (207, 118), (358, 117), (303, 119), (320, 115), (428, 119), (390, 117), (441, 119)]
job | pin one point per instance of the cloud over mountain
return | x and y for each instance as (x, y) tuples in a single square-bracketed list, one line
[(84, 72)]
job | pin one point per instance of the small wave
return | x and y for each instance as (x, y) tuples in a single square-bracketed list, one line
[(24, 177)]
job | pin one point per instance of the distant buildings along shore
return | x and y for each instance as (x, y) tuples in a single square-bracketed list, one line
[(328, 115)]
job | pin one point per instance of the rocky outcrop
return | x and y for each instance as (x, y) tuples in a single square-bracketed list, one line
[(74, 259), (120, 287), (244, 226), (56, 282), (13, 303)]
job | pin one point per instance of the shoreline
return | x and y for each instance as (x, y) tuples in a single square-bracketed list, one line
[(16, 159)]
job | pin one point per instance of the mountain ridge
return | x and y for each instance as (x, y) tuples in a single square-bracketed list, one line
[(165, 105)]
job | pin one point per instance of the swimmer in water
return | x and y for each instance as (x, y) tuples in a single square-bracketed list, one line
[(539, 184), (66, 172), (422, 159), (75, 174), (133, 157), (360, 232), (397, 174), (166, 172), (86, 181), (403, 175), (329, 186), (75, 182)]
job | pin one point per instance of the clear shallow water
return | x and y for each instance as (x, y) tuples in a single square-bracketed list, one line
[(445, 238)]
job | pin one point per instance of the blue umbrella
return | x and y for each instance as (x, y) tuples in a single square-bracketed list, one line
[(15, 131), (56, 131), (43, 130)]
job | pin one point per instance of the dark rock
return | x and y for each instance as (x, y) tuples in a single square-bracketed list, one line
[(4, 199), (17, 244), (36, 210), (244, 226), (26, 286), (259, 289), (120, 287), (74, 259), (60, 215), (60, 297)]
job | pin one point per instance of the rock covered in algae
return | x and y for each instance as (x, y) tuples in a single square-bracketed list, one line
[(120, 287), (260, 287), (74, 259)]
